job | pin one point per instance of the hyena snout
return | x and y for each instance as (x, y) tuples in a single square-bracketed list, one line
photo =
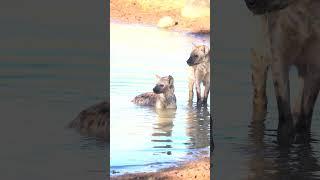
[(190, 61), (256, 6), (251, 3), (263, 6), (158, 89)]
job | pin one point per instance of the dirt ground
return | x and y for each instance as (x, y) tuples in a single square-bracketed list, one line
[(199, 169), (150, 11)]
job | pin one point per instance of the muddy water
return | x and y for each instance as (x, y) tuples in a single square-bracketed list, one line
[(141, 138), (241, 150)]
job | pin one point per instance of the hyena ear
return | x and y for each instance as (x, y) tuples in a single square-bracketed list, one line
[(205, 49), (170, 80), (157, 77)]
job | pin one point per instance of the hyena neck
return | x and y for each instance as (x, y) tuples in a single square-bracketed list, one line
[(168, 94), (203, 67), (166, 100)]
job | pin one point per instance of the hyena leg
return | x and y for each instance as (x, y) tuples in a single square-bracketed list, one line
[(296, 111), (191, 84), (310, 94), (297, 104), (198, 89), (206, 92), (259, 67), (280, 75)]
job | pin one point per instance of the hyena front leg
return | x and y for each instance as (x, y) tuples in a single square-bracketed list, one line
[(280, 75), (198, 89), (309, 97), (296, 111), (191, 84), (206, 91), (259, 67)]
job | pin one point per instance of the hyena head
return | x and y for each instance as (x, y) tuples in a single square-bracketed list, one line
[(198, 55), (265, 6), (164, 84)]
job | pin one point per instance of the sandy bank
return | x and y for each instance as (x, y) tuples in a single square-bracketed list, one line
[(149, 12), (199, 169)]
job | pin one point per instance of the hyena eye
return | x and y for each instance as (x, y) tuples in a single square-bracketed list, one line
[(161, 85), (195, 56)]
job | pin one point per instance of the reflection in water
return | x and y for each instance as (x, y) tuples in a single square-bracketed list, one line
[(198, 123), (198, 120), (275, 161), (143, 139), (163, 129)]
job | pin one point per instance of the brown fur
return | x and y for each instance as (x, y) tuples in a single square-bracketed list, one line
[(93, 121), (259, 74), (199, 72), (162, 96), (292, 31)]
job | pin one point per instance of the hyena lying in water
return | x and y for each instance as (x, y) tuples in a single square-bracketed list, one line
[(93, 121), (199, 61), (292, 31), (162, 96)]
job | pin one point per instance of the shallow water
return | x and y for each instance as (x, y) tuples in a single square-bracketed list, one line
[(41, 112), (52, 66), (141, 138), (243, 151)]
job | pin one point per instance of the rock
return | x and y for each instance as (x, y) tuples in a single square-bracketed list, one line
[(166, 22), (93, 121)]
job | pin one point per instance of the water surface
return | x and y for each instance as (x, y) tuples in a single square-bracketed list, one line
[(52, 66), (143, 139)]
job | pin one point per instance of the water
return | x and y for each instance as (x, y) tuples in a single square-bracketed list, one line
[(141, 138), (52, 66), (242, 151), (41, 112)]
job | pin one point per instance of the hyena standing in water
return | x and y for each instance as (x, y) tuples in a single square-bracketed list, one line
[(162, 96), (292, 31), (199, 62)]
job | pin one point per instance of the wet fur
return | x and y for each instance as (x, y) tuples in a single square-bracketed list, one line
[(293, 39), (199, 72), (93, 121), (162, 99)]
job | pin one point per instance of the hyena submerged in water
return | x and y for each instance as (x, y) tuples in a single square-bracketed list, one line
[(162, 96), (292, 32)]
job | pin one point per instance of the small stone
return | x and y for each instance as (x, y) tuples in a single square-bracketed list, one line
[(166, 22)]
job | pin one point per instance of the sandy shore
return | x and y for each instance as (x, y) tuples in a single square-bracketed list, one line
[(199, 169), (149, 12)]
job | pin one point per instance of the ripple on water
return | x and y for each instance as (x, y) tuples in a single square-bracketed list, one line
[(143, 139)]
